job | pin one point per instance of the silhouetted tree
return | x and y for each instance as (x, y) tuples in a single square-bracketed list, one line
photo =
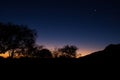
[(68, 51), (16, 38)]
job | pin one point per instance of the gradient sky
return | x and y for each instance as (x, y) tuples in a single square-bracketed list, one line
[(89, 24)]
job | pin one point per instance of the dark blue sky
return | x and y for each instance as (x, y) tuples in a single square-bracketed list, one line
[(89, 24)]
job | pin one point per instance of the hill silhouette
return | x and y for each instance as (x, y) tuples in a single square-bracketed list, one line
[(109, 55)]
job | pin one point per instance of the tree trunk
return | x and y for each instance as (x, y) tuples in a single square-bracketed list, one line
[(11, 54)]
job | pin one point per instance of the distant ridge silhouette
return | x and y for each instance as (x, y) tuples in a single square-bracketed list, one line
[(109, 55)]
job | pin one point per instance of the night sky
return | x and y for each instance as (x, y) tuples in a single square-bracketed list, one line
[(89, 24)]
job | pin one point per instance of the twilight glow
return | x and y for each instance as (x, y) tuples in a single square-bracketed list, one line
[(89, 24)]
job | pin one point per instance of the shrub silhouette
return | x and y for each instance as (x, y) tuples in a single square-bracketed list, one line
[(44, 53), (16, 39), (35, 50), (56, 53)]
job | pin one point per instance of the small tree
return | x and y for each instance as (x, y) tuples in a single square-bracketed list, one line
[(68, 51)]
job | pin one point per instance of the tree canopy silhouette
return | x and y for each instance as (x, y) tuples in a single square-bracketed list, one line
[(16, 38), (68, 51)]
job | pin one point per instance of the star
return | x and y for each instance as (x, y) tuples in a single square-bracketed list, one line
[(94, 10)]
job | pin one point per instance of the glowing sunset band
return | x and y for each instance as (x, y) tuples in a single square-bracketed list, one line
[(80, 52), (5, 55)]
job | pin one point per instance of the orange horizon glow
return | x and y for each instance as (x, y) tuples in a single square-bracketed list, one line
[(4, 55), (80, 52)]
